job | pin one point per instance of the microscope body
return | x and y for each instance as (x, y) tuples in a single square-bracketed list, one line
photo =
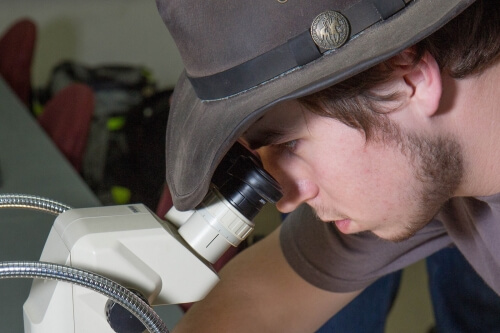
[(127, 244), (166, 261)]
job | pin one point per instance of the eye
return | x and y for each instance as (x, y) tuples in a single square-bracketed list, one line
[(288, 145)]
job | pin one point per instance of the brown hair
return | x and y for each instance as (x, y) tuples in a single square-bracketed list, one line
[(465, 46)]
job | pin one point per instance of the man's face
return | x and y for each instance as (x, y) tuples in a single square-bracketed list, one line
[(391, 188)]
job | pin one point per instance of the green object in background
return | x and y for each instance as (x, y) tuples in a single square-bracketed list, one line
[(115, 123), (37, 108), (121, 195)]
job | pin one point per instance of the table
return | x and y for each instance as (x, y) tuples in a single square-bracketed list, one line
[(31, 164)]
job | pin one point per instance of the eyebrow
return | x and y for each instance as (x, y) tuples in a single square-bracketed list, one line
[(265, 138)]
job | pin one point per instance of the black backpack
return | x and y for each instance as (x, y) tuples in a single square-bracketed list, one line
[(129, 112)]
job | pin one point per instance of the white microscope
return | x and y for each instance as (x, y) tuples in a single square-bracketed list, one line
[(120, 260)]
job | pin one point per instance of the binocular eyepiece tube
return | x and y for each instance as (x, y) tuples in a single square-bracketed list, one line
[(240, 188)]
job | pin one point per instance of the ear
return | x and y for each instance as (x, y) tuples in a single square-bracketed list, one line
[(424, 81)]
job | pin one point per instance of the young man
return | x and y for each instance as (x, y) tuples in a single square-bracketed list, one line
[(379, 123)]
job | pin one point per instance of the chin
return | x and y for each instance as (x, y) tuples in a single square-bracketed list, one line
[(395, 237)]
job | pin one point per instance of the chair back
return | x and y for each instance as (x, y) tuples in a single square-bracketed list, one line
[(67, 117), (17, 47), (165, 202)]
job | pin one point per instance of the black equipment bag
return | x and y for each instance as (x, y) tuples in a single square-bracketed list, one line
[(120, 90)]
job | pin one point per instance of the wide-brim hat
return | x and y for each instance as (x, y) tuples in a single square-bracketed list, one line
[(243, 57)]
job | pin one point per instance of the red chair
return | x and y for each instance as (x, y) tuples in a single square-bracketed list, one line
[(17, 47), (66, 118), (165, 202)]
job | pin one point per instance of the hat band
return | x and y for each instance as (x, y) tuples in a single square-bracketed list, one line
[(297, 51)]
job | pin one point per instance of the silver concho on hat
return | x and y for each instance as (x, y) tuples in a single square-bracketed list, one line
[(330, 30)]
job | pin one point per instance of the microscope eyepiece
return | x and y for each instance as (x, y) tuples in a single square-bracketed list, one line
[(249, 187), (242, 181), (240, 188)]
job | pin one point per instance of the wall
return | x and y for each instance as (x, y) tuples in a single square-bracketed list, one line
[(97, 32)]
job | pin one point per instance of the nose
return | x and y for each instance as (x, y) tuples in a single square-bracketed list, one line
[(295, 179), (296, 193)]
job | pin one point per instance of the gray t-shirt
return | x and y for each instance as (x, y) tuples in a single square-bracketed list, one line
[(330, 260)]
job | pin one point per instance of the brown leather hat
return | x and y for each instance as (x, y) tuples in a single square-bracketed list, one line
[(242, 57)]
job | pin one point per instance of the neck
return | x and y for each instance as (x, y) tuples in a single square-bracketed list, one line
[(477, 125)]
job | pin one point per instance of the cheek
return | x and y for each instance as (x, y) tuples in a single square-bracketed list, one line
[(365, 177), (339, 169), (385, 183)]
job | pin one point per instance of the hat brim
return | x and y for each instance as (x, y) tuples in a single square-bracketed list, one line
[(199, 133)]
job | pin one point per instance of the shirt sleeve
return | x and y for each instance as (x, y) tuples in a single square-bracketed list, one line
[(336, 262)]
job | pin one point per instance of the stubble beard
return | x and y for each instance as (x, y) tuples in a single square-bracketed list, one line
[(438, 170)]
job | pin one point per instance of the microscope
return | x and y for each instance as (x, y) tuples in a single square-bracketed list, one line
[(102, 269)]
